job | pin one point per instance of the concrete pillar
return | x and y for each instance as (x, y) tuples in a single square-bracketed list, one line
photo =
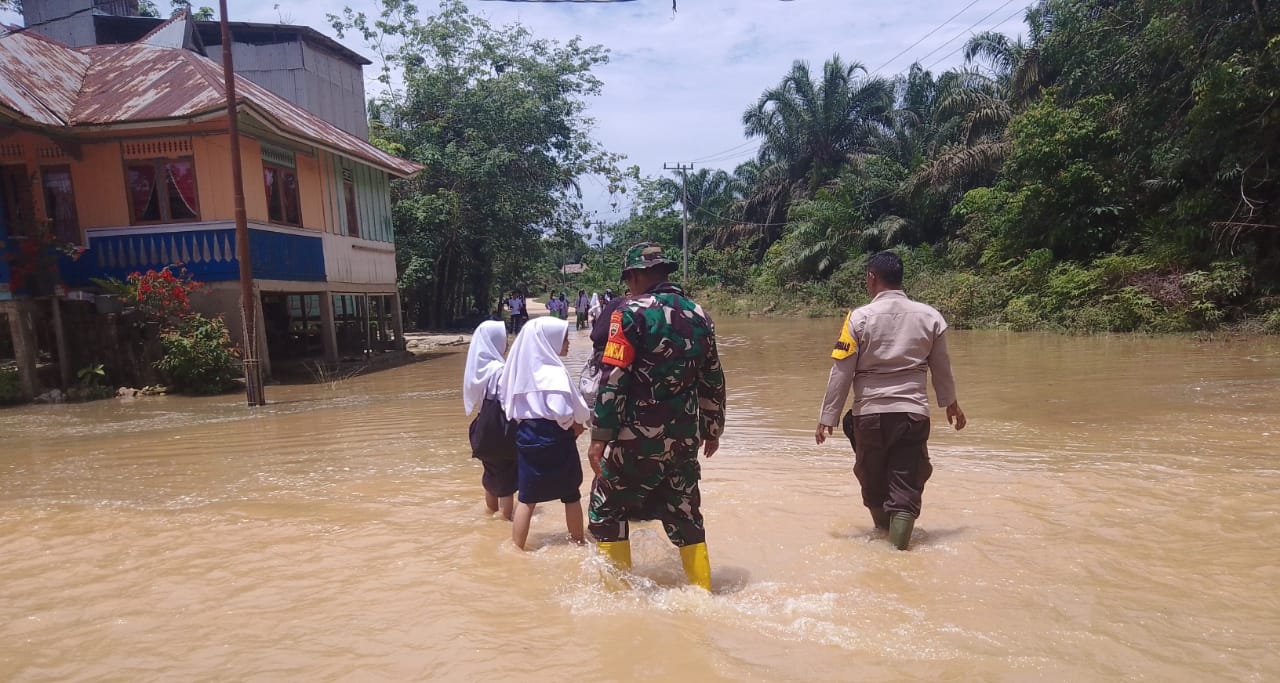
[(23, 330), (328, 330), (397, 318)]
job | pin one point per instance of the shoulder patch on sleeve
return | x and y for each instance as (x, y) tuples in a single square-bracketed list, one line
[(618, 350), (846, 345)]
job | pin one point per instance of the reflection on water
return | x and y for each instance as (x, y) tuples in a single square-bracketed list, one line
[(1107, 514)]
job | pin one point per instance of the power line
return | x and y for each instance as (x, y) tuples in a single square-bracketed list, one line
[(28, 27), (947, 56), (924, 37), (964, 32), (741, 154), (731, 150)]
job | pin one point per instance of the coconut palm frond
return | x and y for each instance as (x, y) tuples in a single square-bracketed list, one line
[(956, 163), (991, 118)]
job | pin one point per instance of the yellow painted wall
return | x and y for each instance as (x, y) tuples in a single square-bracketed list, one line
[(310, 192), (102, 199), (213, 177), (255, 193)]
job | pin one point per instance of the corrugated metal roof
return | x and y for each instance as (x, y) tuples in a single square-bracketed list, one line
[(39, 78), (135, 83), (53, 85)]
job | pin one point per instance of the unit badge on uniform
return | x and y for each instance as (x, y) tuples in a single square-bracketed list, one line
[(846, 345), (618, 350)]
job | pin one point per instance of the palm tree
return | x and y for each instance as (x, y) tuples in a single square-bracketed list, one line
[(976, 105), (813, 126), (710, 192)]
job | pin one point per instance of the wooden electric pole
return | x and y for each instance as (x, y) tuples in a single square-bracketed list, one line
[(254, 392)]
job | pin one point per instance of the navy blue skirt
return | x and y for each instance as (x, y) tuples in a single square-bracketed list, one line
[(548, 459)]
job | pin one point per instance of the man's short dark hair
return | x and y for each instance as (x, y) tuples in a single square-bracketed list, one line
[(887, 268)]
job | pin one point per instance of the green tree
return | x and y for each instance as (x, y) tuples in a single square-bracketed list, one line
[(497, 118)]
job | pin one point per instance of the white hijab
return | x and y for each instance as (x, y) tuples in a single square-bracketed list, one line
[(484, 363), (534, 368)]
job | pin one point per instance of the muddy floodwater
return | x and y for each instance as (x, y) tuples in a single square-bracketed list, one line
[(1110, 513)]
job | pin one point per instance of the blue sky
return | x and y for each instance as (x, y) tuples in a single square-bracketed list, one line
[(677, 84)]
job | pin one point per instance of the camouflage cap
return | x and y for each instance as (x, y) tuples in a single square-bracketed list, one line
[(646, 255)]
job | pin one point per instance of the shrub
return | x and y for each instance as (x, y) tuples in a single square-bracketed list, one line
[(1130, 309), (198, 357), (1023, 314), (1271, 323), (10, 387)]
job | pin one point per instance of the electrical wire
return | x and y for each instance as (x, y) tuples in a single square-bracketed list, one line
[(947, 56), (965, 32), (924, 37), (28, 27), (732, 151)]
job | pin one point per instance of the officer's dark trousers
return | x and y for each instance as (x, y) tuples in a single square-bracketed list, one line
[(891, 459)]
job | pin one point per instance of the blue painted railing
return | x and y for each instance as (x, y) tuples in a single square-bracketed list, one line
[(209, 255)]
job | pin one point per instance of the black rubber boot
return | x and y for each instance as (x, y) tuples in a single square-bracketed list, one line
[(900, 526), (880, 517)]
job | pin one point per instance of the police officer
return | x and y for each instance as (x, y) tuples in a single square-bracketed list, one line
[(661, 397), (884, 353)]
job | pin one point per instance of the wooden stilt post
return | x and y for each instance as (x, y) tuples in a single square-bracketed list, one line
[(23, 332), (60, 340), (398, 321), (328, 330)]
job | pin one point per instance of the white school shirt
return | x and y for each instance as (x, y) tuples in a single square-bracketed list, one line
[(548, 405)]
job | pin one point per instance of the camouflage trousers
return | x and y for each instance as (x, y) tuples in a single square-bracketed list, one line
[(648, 479)]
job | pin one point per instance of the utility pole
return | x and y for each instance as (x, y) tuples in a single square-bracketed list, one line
[(254, 391), (684, 209)]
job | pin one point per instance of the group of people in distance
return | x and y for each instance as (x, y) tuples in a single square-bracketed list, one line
[(587, 308), (653, 395)]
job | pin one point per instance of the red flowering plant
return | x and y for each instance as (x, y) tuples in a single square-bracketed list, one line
[(163, 294)]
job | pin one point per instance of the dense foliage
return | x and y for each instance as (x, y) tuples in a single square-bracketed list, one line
[(1116, 169)]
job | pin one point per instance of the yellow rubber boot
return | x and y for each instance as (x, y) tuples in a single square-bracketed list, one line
[(617, 552), (696, 565)]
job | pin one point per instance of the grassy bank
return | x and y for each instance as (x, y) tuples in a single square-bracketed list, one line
[(1130, 293)]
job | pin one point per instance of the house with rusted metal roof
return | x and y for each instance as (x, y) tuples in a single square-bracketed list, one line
[(123, 150)]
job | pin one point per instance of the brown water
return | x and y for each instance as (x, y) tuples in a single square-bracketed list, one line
[(1110, 513)]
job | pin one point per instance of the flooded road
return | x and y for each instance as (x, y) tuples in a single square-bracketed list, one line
[(1110, 512)]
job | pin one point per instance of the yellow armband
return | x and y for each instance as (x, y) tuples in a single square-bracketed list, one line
[(846, 345)]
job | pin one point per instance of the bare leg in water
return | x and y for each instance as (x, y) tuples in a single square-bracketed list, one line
[(520, 528), (496, 504), (573, 520)]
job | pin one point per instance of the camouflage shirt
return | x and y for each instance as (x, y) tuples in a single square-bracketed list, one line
[(663, 376)]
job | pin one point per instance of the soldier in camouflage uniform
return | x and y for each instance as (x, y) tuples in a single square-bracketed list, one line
[(662, 395)]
